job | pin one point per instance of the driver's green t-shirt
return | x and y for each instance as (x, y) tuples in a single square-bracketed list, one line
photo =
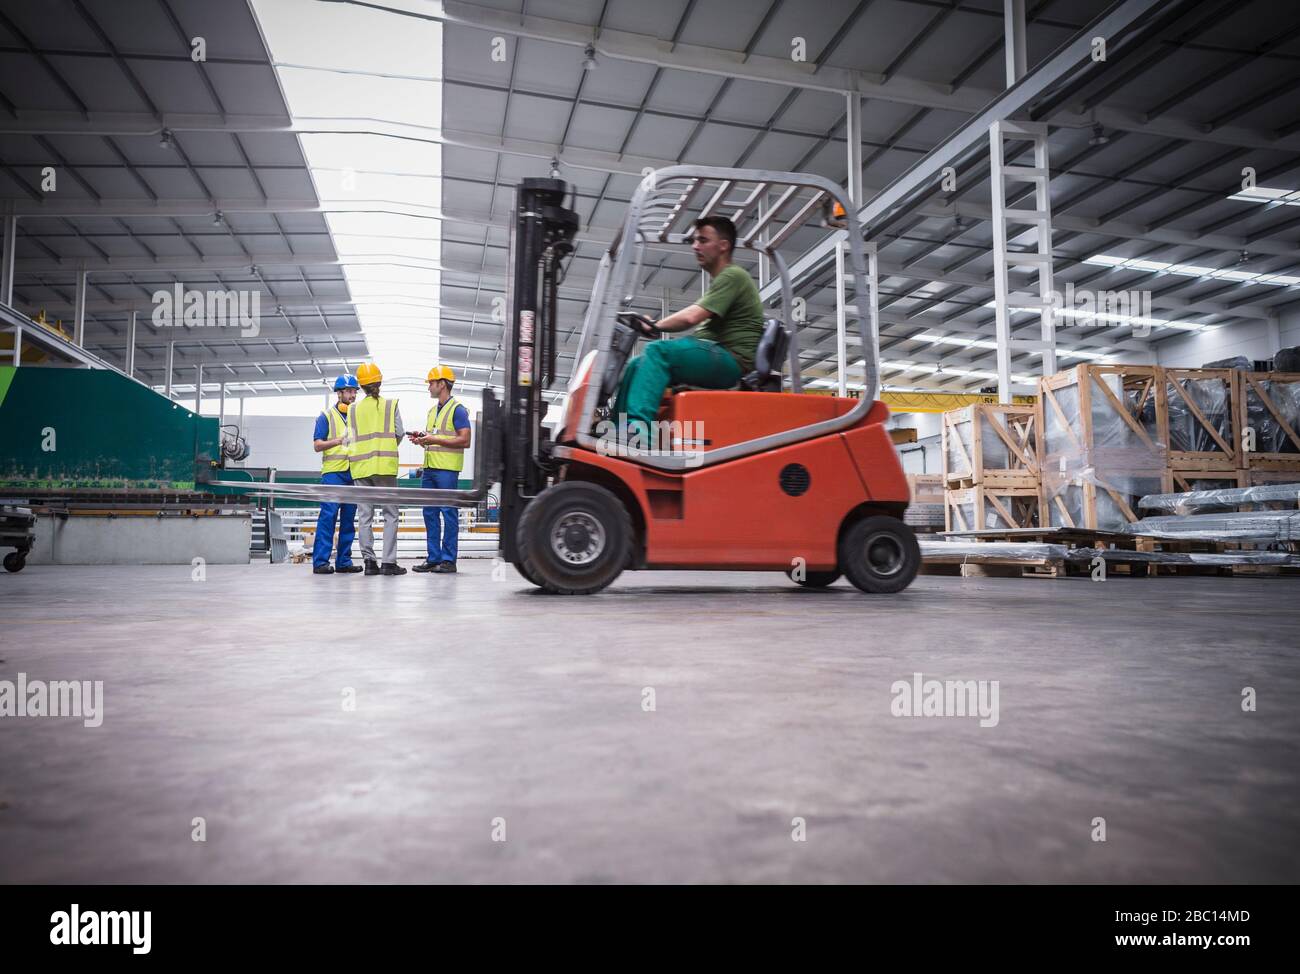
[(737, 315)]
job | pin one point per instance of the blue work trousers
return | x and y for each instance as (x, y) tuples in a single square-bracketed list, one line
[(441, 524), (329, 514)]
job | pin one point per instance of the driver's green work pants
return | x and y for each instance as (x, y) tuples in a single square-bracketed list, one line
[(686, 361)]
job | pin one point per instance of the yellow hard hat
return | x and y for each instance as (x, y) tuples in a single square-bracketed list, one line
[(441, 372), (369, 374)]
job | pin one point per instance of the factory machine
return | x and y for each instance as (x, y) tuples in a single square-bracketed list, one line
[(102, 470)]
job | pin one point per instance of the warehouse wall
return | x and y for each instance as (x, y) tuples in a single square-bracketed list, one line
[(1253, 339)]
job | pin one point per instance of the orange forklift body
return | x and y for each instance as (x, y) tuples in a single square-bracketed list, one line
[(759, 512)]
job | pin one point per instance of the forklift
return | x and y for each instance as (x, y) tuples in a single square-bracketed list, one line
[(771, 478), (778, 479)]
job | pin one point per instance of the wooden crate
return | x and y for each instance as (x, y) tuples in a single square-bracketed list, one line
[(1202, 418), (1109, 417), (985, 508), (1268, 416), (990, 444)]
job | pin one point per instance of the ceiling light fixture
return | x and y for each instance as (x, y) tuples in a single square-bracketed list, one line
[(589, 57), (165, 140), (1099, 136)]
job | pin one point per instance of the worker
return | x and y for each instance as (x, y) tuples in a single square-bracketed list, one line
[(717, 355), (376, 428), (445, 440), (330, 440)]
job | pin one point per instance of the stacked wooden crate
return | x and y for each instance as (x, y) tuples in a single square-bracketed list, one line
[(1103, 436), (1267, 414), (990, 467), (1204, 430), (1102, 444)]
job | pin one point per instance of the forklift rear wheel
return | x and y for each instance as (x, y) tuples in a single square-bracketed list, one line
[(814, 579), (879, 554), (574, 539), (14, 562)]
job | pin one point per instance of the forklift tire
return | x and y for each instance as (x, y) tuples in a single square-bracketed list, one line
[(814, 579), (14, 561), (879, 554), (575, 538)]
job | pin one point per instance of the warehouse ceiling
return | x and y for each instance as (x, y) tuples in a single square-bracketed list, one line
[(167, 170), (1147, 158)]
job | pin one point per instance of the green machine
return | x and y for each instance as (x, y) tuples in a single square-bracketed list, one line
[(95, 430)]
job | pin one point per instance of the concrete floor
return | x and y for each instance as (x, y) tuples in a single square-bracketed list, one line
[(480, 699)]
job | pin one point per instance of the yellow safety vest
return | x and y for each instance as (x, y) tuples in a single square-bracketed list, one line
[(335, 459), (373, 451), (440, 423)]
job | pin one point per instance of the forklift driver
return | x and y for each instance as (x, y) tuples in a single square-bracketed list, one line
[(717, 355)]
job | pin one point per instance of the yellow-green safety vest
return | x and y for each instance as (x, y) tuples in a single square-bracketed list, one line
[(335, 459), (373, 451), (440, 423)]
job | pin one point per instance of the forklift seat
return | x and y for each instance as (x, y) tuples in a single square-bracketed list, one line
[(772, 350)]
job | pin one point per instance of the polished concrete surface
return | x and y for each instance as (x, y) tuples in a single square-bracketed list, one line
[(479, 699)]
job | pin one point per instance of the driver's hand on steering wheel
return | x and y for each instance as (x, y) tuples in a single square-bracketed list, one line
[(642, 323)]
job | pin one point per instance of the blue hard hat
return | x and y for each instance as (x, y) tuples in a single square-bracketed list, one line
[(346, 382)]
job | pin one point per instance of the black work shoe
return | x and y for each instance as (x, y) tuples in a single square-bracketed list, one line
[(446, 568), (426, 566), (322, 570), (348, 569), (394, 569), (372, 568)]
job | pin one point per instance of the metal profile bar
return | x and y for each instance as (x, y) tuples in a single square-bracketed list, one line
[(797, 220), (772, 213), (683, 203), (7, 260), (79, 311), (738, 214), (717, 198)]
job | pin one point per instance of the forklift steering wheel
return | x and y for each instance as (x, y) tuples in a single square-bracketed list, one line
[(638, 322)]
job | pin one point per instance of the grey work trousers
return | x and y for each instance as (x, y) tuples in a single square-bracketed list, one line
[(366, 518)]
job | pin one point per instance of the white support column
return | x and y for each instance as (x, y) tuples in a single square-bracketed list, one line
[(221, 409), (1010, 223), (198, 389), (79, 312), (841, 324), (7, 260), (853, 137), (18, 345), (241, 413), (130, 344), (1013, 13), (1001, 313), (171, 359)]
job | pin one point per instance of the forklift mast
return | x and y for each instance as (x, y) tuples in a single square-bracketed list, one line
[(540, 240)]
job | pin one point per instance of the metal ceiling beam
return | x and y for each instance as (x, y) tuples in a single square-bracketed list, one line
[(29, 122), (719, 62), (923, 177)]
